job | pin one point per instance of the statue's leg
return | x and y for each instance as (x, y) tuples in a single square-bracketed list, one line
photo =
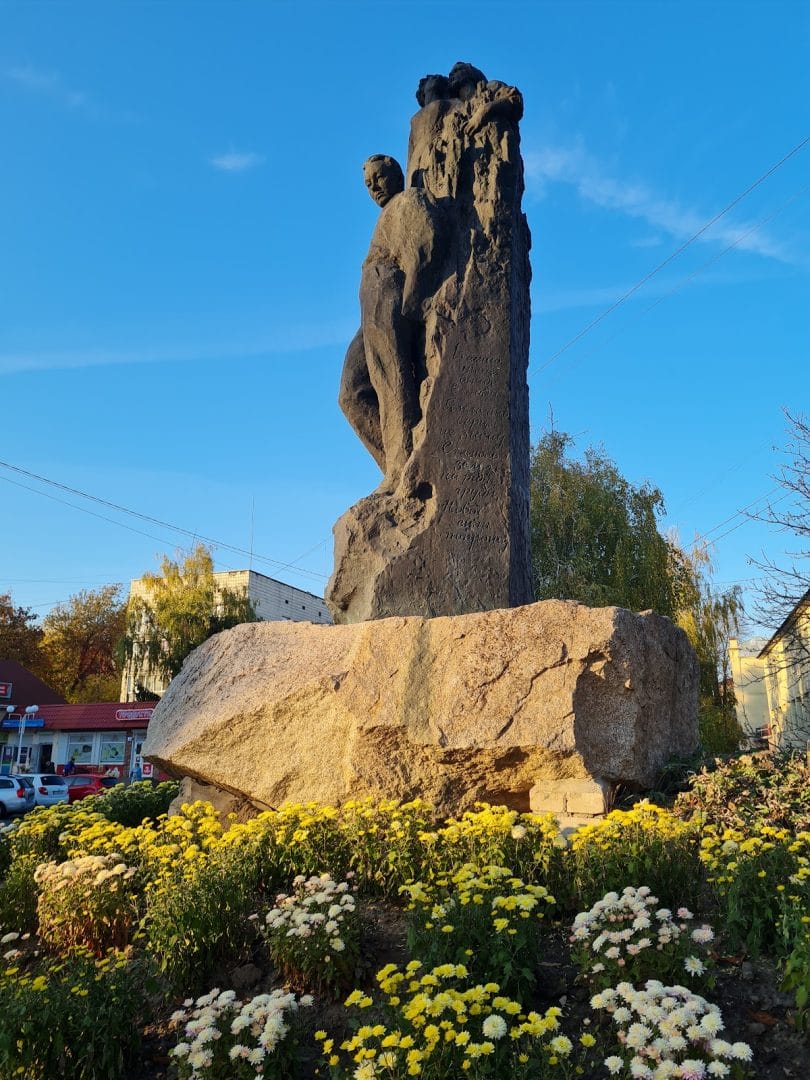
[(389, 342), (358, 400)]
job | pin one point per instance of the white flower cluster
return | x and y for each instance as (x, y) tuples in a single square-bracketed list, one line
[(250, 1031), (318, 906), (90, 871), (667, 1031), (620, 928)]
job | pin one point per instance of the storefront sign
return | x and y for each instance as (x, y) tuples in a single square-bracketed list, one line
[(14, 723), (133, 714), (5, 691)]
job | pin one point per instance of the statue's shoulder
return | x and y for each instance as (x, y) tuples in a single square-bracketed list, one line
[(414, 206)]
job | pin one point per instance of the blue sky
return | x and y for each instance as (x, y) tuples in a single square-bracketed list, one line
[(184, 219)]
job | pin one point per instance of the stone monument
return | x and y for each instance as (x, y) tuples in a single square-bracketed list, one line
[(434, 382), (449, 683)]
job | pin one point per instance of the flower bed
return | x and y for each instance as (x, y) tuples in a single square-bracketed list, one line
[(103, 922)]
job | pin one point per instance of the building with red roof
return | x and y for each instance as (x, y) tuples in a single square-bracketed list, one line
[(97, 737)]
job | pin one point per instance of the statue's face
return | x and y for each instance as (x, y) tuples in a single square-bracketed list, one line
[(382, 180), (464, 80), (434, 88)]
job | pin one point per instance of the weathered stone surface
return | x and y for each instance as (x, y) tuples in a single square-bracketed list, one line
[(434, 382), (454, 709), (224, 802), (572, 797)]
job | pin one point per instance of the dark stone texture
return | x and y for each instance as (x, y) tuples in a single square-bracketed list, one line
[(434, 383)]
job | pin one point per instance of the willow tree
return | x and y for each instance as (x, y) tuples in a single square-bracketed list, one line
[(595, 536), (174, 611)]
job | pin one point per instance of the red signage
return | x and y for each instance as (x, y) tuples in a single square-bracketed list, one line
[(131, 714), (5, 690)]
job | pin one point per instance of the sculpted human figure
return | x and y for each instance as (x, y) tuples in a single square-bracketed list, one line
[(434, 382), (460, 114), (385, 365)]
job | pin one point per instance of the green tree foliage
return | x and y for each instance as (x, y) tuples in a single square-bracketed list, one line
[(19, 635), (80, 642), (595, 536), (711, 618), (595, 539), (182, 607)]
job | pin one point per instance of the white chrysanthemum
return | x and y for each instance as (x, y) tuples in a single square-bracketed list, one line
[(640, 1070), (614, 1064), (712, 1022), (694, 966), (703, 935), (200, 1059), (638, 1035), (494, 1027), (692, 1069), (741, 1051)]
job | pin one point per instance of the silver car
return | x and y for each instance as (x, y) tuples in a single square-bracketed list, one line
[(16, 795), (49, 789)]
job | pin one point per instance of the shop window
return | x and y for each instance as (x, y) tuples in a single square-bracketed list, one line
[(80, 749), (113, 748)]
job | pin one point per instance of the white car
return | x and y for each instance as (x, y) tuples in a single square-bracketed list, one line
[(49, 789), (16, 795)]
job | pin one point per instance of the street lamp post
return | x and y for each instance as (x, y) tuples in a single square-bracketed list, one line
[(9, 711), (30, 711)]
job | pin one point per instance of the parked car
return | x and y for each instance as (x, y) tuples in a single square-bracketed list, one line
[(16, 795), (49, 789), (79, 786)]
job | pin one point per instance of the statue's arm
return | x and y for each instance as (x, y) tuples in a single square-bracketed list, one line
[(422, 257), (506, 104)]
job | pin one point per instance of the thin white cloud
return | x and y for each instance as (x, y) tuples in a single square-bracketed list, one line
[(236, 162), (290, 340), (572, 165), (551, 300), (49, 83)]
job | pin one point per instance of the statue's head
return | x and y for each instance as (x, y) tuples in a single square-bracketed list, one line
[(383, 177), (463, 80), (432, 88)]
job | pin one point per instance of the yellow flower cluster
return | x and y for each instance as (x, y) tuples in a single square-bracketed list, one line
[(439, 1025), (619, 829), (493, 888), (493, 835), (778, 856)]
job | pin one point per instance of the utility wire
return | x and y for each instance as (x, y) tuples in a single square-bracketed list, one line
[(194, 535), (745, 519), (683, 282), (674, 255)]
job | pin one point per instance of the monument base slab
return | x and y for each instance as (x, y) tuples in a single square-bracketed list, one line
[(455, 710)]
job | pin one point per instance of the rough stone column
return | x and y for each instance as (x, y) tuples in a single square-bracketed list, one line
[(452, 535)]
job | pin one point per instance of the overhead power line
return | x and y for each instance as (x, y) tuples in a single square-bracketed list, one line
[(741, 514), (684, 281), (193, 534), (674, 255)]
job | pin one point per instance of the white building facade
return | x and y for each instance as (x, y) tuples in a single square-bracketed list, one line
[(272, 600)]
